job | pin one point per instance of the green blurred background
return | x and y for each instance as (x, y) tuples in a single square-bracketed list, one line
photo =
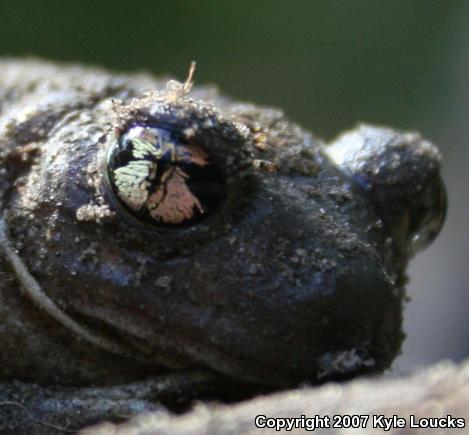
[(328, 64)]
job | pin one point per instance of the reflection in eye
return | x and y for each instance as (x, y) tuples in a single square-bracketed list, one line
[(163, 180), (428, 217)]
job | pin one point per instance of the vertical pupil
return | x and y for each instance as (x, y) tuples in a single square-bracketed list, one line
[(160, 179)]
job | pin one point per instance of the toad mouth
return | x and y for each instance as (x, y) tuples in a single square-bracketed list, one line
[(137, 332), (134, 337)]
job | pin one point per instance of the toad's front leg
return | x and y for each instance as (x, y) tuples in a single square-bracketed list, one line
[(28, 408)]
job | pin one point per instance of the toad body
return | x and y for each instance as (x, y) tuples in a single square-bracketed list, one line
[(152, 233)]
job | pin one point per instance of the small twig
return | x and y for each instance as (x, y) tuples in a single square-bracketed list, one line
[(176, 90), (190, 78)]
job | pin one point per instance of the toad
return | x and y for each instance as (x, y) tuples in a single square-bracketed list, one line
[(160, 243)]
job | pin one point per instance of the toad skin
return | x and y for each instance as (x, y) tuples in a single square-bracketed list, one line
[(296, 277)]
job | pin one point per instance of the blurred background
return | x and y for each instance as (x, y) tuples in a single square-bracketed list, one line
[(328, 65)]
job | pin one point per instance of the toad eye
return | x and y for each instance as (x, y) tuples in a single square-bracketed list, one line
[(161, 179)]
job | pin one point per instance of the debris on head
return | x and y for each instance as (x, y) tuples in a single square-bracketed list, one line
[(173, 92), (176, 90)]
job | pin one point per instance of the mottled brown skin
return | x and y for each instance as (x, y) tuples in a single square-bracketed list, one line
[(296, 278)]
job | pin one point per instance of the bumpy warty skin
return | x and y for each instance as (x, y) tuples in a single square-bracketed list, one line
[(296, 277)]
